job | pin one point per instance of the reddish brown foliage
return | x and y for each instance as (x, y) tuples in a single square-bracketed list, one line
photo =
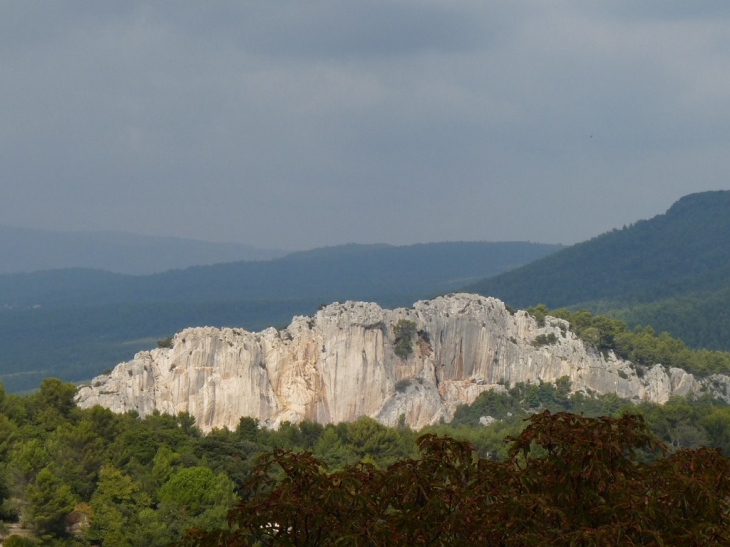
[(569, 481)]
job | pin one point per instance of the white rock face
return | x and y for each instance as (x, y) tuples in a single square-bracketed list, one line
[(341, 364)]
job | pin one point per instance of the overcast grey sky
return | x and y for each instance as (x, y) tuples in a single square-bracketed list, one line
[(296, 124)]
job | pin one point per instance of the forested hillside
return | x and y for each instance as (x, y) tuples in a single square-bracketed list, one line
[(89, 477), (672, 271), (701, 319)]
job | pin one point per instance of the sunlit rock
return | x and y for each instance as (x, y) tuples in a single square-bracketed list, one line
[(342, 364)]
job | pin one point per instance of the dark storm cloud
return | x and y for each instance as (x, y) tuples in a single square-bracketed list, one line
[(295, 124)]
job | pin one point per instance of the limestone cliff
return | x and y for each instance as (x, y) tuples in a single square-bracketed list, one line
[(357, 359)]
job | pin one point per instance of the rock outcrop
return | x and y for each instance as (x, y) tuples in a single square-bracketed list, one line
[(357, 359)]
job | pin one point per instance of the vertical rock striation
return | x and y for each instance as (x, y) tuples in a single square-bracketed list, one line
[(342, 364)]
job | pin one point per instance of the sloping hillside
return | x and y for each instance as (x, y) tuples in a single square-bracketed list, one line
[(684, 253), (684, 250)]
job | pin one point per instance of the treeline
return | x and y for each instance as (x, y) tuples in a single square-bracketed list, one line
[(641, 345), (89, 477), (682, 422)]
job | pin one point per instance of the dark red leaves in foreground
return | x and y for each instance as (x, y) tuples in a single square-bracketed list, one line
[(569, 481)]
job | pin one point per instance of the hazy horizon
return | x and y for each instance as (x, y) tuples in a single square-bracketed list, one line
[(193, 239)]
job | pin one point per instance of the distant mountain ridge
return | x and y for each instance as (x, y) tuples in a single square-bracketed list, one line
[(329, 273), (684, 253), (28, 250)]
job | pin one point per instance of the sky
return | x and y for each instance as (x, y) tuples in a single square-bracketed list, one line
[(292, 125)]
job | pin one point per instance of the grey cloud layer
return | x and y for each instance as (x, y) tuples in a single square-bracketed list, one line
[(295, 124)]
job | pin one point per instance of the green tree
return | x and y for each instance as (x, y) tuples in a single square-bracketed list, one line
[(195, 497), (8, 431), (248, 429), (114, 508), (50, 501), (195, 489), (19, 541), (539, 312), (331, 449), (26, 459), (7, 512), (563, 386), (404, 332), (53, 404), (164, 464), (77, 453), (717, 425)]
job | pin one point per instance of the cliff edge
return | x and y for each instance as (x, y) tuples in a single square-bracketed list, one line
[(357, 359)]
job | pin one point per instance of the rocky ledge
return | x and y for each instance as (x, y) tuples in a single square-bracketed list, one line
[(357, 359)]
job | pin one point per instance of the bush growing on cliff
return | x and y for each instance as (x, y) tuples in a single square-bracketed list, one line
[(165, 343), (544, 340), (404, 331), (402, 385)]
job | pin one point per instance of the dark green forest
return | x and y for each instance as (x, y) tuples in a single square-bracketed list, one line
[(92, 477), (702, 320)]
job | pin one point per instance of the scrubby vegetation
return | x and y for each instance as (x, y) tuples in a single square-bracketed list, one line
[(544, 340), (402, 385)]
